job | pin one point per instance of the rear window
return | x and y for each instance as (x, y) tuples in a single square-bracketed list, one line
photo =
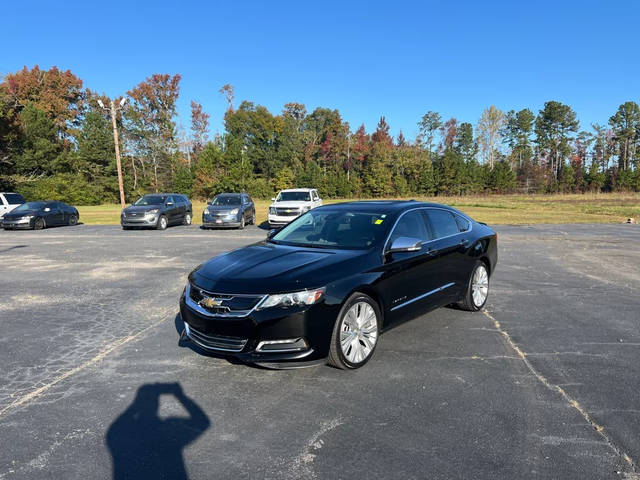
[(13, 198)]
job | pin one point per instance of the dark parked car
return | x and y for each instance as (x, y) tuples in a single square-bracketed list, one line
[(327, 284), (158, 210), (38, 215), (229, 210)]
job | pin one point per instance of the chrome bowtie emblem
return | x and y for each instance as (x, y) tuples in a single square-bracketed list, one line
[(210, 302)]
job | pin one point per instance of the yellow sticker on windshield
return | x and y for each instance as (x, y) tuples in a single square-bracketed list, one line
[(378, 222)]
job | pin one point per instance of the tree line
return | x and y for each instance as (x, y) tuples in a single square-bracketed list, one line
[(56, 142)]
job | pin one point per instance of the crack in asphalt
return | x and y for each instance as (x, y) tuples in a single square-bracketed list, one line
[(568, 398), (106, 351)]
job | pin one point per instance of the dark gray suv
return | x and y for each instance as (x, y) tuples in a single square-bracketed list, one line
[(158, 210)]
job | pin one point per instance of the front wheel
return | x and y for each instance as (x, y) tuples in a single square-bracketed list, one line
[(355, 334), (38, 224), (187, 219), (73, 220), (477, 289), (242, 224), (162, 223)]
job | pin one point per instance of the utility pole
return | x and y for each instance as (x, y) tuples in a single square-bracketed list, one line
[(112, 110)]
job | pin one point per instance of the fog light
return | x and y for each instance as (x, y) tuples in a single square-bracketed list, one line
[(286, 345)]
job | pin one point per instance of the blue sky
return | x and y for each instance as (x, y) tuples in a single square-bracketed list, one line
[(367, 59)]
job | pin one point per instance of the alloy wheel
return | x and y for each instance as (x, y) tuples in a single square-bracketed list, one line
[(480, 286), (359, 332)]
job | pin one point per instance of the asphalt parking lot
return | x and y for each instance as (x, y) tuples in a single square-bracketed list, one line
[(93, 384)]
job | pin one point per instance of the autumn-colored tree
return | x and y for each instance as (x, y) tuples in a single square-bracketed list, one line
[(57, 93), (199, 128), (150, 125), (228, 91)]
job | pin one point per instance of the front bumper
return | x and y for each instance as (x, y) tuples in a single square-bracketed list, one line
[(213, 221), (279, 220), (17, 224), (146, 221), (242, 336)]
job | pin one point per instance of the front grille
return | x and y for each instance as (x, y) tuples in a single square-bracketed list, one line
[(288, 212), (217, 342), (223, 304)]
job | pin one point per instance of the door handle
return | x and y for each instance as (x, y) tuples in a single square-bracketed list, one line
[(432, 251), (464, 242)]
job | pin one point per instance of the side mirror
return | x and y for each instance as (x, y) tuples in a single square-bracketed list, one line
[(47, 209), (405, 244), (169, 204), (273, 199), (209, 202)]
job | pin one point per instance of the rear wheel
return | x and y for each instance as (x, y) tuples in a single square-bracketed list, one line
[(253, 218), (38, 224), (73, 220), (187, 219), (162, 223), (355, 334), (477, 289)]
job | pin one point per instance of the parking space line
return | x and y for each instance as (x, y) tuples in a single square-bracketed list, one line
[(39, 391), (556, 388)]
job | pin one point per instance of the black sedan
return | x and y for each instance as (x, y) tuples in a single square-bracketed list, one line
[(329, 283), (229, 210), (38, 215)]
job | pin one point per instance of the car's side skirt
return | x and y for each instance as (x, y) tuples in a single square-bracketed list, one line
[(424, 295)]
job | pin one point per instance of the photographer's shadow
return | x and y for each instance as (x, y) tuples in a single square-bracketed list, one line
[(143, 445)]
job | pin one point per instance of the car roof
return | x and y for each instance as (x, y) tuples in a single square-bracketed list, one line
[(297, 189), (227, 194), (387, 206)]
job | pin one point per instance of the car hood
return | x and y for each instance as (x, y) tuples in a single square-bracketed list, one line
[(268, 268), (12, 214), (291, 204), (222, 208), (142, 208)]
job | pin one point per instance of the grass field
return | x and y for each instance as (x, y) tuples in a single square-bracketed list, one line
[(494, 209)]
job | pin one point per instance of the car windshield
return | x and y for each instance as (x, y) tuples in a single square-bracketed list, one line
[(330, 228), (151, 200), (29, 206), (293, 197), (226, 200)]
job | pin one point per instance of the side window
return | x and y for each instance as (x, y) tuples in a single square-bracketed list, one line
[(411, 225), (443, 224), (2, 202), (463, 223)]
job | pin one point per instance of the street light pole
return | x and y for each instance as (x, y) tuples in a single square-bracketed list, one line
[(112, 110)]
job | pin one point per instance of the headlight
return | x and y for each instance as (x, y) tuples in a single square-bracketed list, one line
[(233, 212), (306, 209), (272, 210), (27, 217), (306, 297), (207, 211), (152, 212)]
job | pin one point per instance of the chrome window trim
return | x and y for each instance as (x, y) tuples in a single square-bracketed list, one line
[(386, 242), (424, 295), (237, 314)]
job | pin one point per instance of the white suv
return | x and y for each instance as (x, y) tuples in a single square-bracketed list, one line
[(9, 201), (291, 203)]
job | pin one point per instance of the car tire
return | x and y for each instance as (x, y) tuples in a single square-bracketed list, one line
[(242, 224), (253, 218), (126, 228), (477, 289), (162, 223), (355, 334), (39, 223), (73, 220), (187, 219)]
